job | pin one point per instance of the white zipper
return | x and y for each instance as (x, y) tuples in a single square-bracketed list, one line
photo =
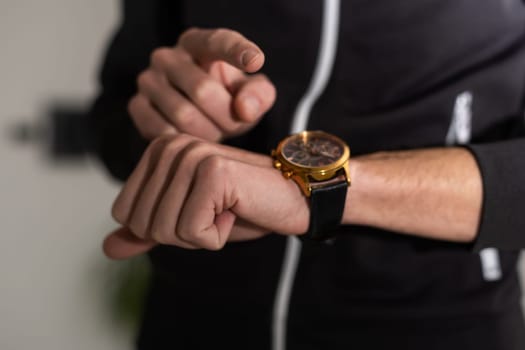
[(321, 75)]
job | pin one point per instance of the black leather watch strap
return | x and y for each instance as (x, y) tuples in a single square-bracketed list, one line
[(327, 204)]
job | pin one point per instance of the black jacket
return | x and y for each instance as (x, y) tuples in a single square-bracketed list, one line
[(399, 71)]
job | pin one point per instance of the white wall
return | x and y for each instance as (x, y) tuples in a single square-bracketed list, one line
[(52, 272)]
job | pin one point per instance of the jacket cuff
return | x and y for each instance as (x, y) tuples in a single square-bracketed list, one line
[(502, 220)]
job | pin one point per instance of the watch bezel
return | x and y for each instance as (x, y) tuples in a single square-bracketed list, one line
[(304, 175)]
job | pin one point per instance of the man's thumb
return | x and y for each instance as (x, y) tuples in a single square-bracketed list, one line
[(122, 244)]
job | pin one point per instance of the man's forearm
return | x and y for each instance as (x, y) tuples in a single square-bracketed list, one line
[(432, 193)]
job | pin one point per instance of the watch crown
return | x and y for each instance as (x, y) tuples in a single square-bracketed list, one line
[(287, 174), (277, 164)]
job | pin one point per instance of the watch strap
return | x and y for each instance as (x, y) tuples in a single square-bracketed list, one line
[(327, 204)]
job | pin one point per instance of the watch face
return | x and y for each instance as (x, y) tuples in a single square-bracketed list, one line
[(312, 149)]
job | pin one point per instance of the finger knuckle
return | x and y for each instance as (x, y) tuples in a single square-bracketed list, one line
[(266, 85), (198, 238), (170, 149), (174, 143), (203, 90), (272, 94), (218, 34), (158, 144), (213, 167), (211, 244), (188, 33), (133, 105), (161, 56), (143, 128), (214, 243), (185, 235), (267, 82), (215, 246), (192, 153), (146, 133), (167, 154), (144, 79), (117, 213), (231, 128), (161, 236), (142, 125), (183, 115), (199, 150), (140, 118)]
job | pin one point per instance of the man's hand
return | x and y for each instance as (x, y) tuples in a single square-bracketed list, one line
[(200, 87), (196, 194)]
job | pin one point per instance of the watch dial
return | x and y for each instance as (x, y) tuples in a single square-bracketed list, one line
[(312, 150)]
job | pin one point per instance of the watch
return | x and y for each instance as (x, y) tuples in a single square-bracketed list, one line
[(318, 163)]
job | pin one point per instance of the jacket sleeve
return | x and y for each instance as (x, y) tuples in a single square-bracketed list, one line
[(502, 166), (115, 140)]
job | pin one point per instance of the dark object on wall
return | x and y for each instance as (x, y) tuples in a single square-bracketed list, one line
[(71, 136), (63, 132)]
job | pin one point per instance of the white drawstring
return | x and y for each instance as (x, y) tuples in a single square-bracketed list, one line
[(321, 75)]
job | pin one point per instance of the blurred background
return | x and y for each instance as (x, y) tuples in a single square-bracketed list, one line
[(57, 290), (56, 286)]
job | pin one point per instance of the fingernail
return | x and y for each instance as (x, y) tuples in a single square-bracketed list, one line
[(248, 56), (251, 105)]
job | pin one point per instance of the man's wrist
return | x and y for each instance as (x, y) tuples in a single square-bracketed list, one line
[(350, 213)]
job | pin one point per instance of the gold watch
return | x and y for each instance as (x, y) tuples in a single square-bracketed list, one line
[(318, 163)]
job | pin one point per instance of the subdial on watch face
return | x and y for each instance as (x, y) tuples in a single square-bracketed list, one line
[(314, 151)]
